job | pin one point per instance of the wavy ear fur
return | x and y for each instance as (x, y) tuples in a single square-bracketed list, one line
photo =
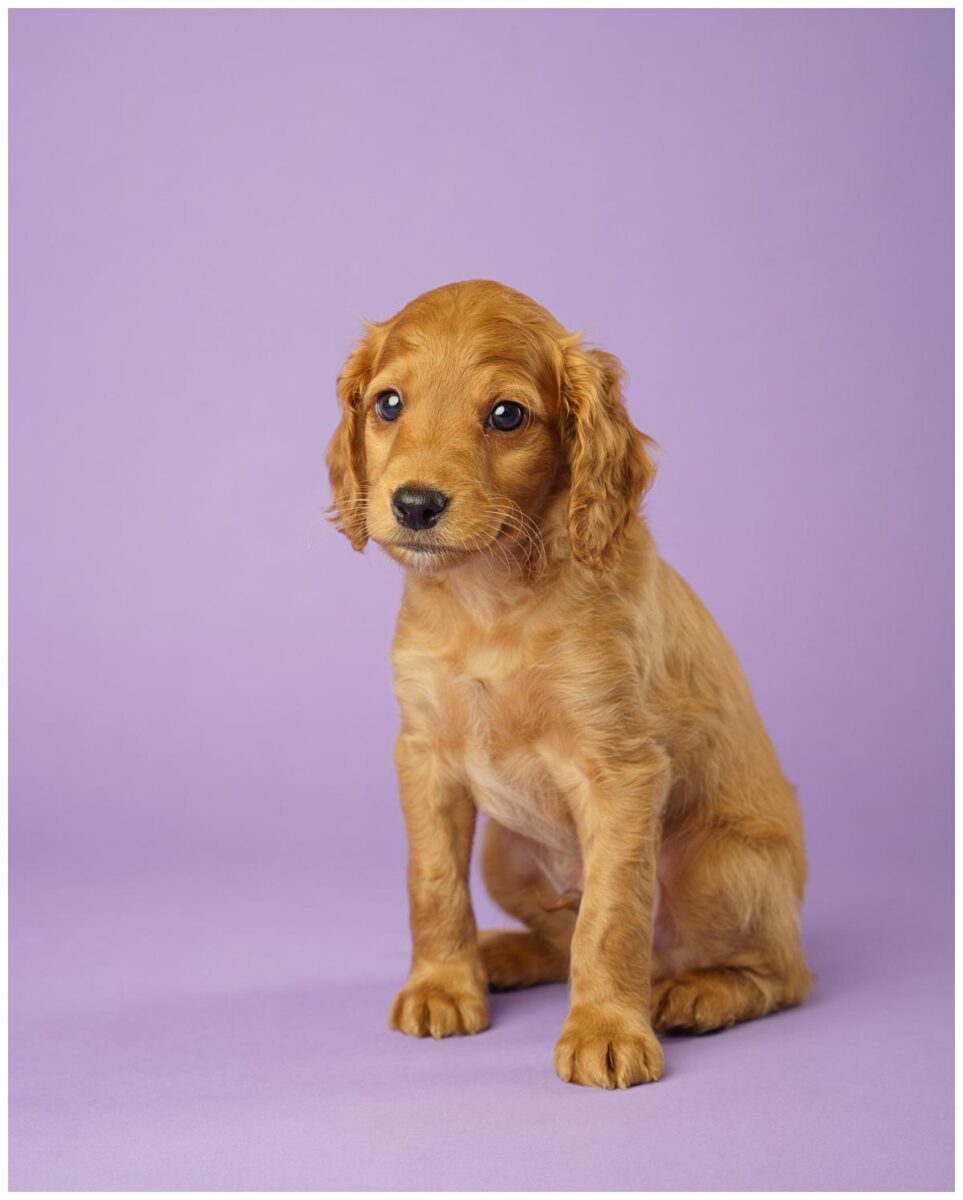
[(611, 469), (346, 459)]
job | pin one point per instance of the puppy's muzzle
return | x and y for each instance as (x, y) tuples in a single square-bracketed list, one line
[(417, 507)]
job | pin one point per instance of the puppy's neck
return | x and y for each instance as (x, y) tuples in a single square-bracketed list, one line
[(488, 588)]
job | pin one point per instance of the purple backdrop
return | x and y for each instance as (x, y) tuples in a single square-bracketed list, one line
[(754, 210)]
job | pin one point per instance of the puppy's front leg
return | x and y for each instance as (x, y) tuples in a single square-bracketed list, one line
[(446, 991), (607, 1039)]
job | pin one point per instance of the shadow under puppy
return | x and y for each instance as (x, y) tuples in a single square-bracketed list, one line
[(555, 673)]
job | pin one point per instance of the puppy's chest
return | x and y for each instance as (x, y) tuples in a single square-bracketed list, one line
[(494, 725)]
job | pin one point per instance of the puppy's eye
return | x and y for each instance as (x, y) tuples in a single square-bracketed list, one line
[(506, 416), (388, 406)]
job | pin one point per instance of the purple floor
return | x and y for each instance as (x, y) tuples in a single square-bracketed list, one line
[(178, 1033)]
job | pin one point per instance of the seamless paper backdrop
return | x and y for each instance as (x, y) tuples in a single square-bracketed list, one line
[(754, 211)]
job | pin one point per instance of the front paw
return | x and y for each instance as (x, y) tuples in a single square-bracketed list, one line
[(438, 1006), (601, 1048)]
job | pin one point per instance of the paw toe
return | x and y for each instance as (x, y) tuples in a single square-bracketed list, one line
[(608, 1054), (426, 1010), (693, 1005)]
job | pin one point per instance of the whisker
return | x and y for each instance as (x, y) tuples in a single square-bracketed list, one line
[(517, 543)]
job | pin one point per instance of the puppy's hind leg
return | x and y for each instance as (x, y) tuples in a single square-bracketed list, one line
[(515, 881), (733, 895)]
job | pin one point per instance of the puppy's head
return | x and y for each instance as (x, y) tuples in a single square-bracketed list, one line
[(465, 416)]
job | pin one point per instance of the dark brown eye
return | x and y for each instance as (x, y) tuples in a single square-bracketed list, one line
[(388, 406), (506, 416)]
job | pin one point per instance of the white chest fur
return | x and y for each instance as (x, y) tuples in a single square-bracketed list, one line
[(522, 788), (493, 728)]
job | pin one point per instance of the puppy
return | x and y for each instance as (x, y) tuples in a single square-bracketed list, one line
[(553, 672)]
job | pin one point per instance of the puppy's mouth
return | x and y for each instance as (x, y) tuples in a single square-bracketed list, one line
[(426, 551), (425, 556), (428, 556), (424, 547)]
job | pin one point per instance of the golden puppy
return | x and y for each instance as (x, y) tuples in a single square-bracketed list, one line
[(555, 673)]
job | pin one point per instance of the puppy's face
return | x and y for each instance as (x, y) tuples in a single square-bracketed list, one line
[(461, 420), (461, 436)]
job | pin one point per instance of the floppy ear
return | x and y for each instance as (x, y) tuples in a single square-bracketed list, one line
[(346, 460), (610, 466)]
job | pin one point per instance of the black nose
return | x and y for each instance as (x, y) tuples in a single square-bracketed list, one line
[(418, 507)]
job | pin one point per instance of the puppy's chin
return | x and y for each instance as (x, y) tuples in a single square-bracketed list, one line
[(427, 559)]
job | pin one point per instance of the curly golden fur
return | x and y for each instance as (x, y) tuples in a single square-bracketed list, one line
[(555, 673)]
